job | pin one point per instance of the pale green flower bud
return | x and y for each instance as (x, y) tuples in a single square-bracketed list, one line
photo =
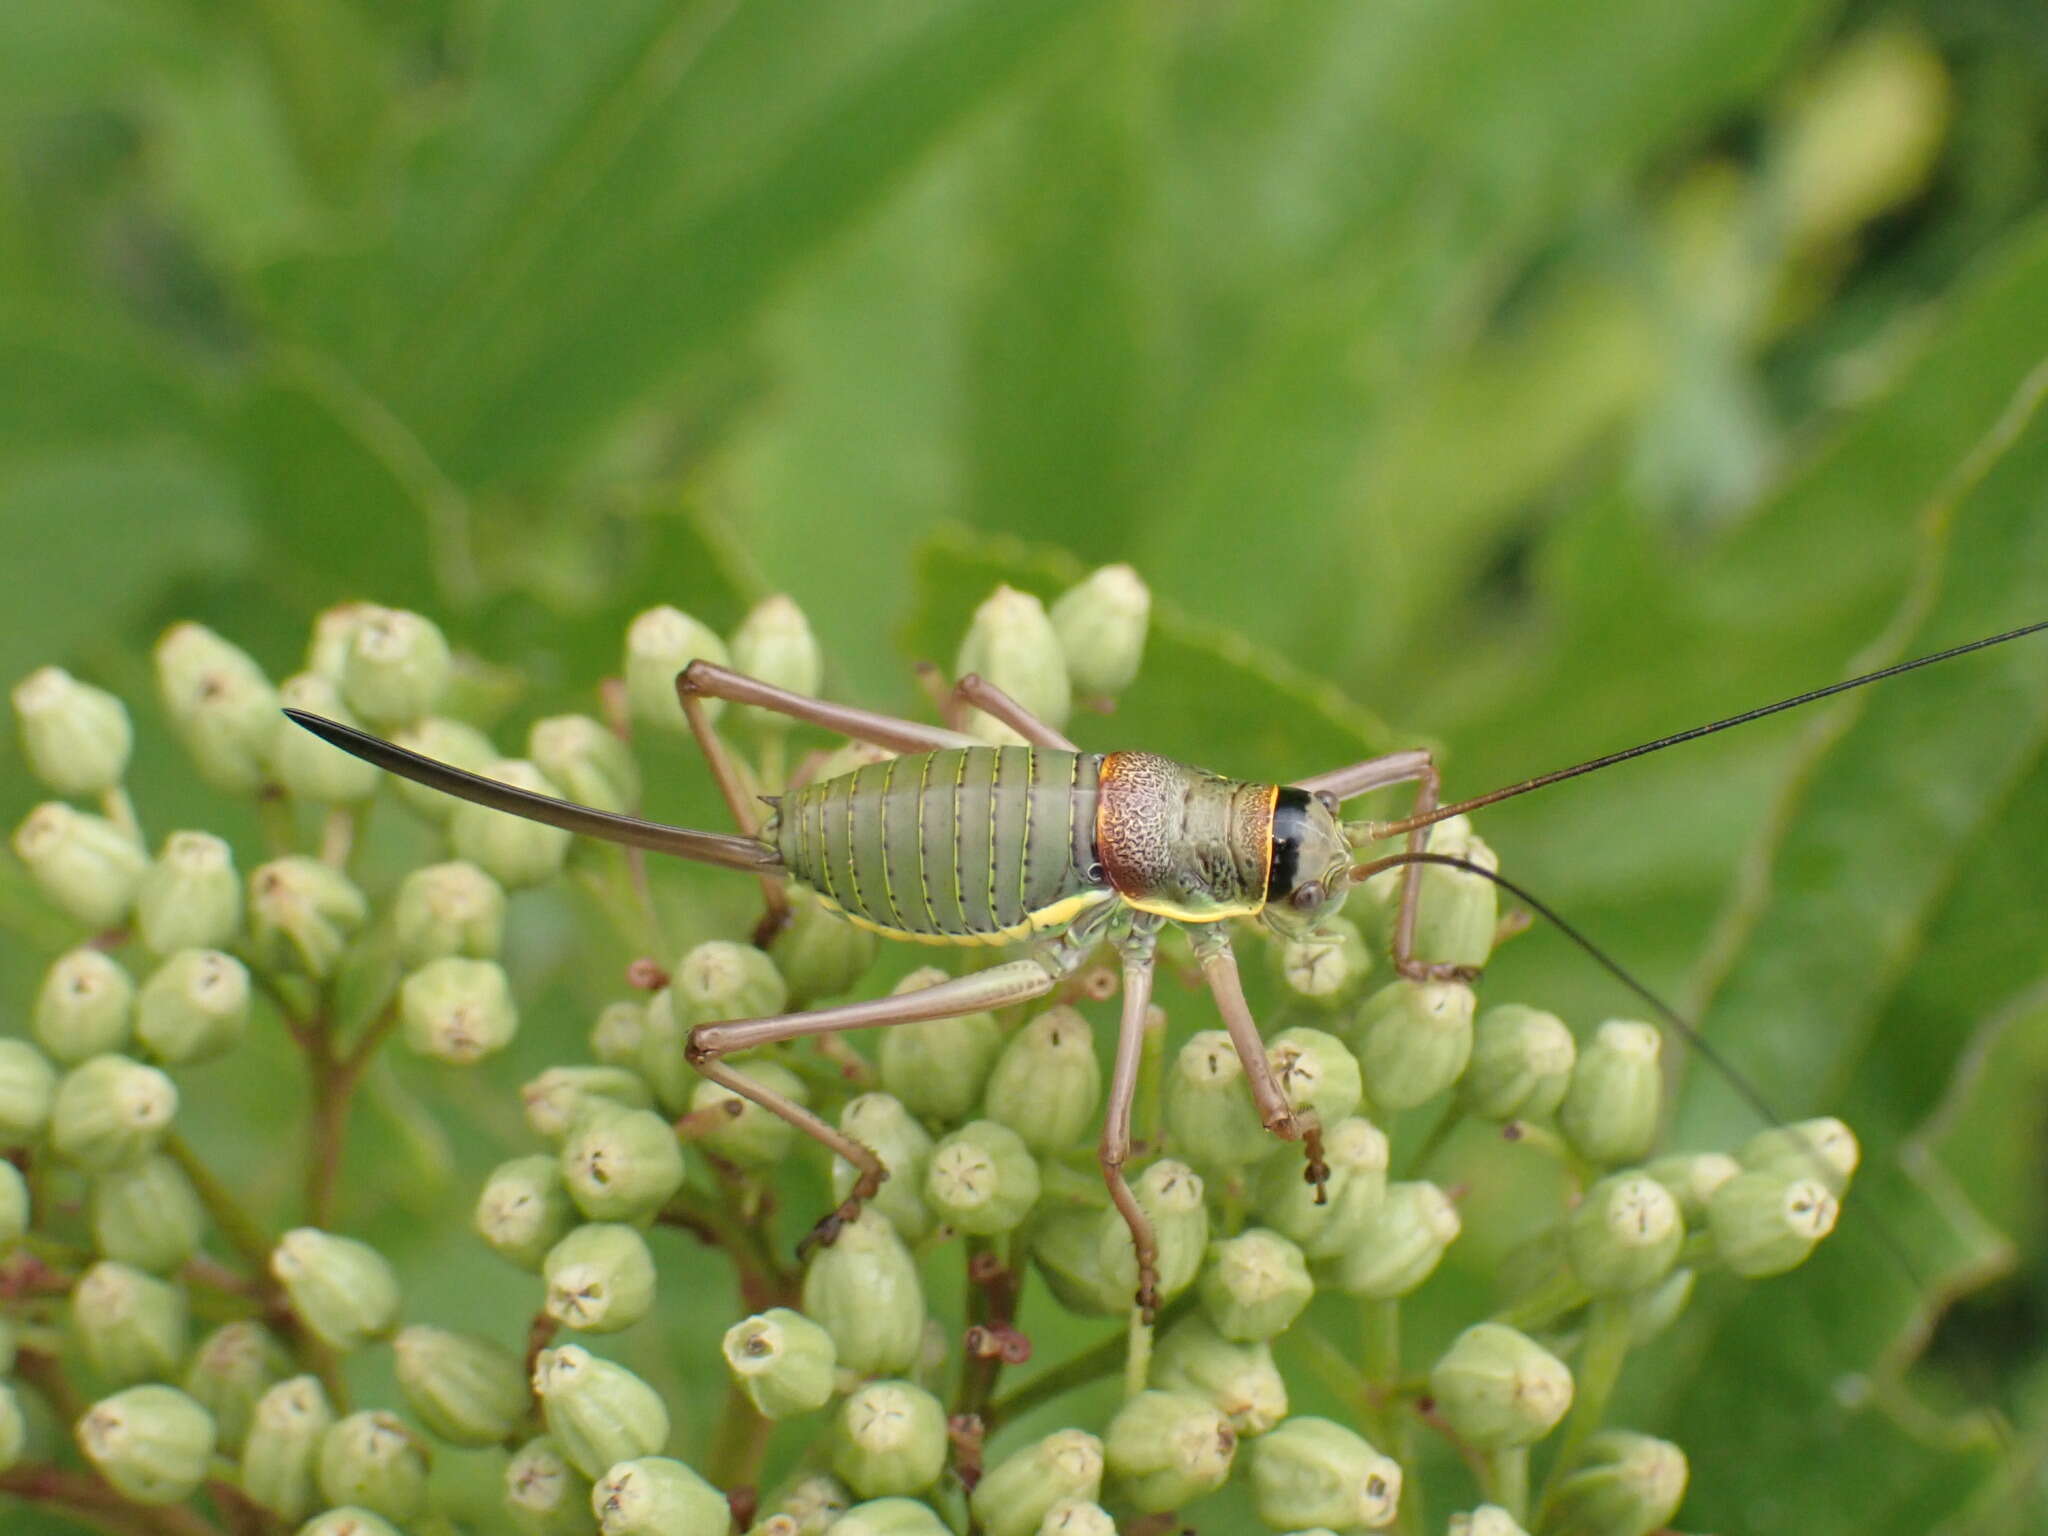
[(863, 1290), (1311, 1471), (1692, 1178), (1610, 1111), (285, 1431), (664, 1054), (890, 1517), (349, 1520), (620, 1034), (1077, 1517), (1413, 1038), (111, 1112), (455, 742), (782, 1360), (774, 643), (656, 1496), (458, 1010), (84, 1007), (1255, 1285), (1399, 1244), (1018, 1494), (890, 1438), (808, 1505), (879, 1122), (152, 1443), (599, 1413), (547, 1496), (1456, 912), (397, 666), (194, 1007), (1170, 1193), (1486, 1520), (1011, 643), (1767, 1223), (592, 765), (372, 1461), (148, 1216), (600, 1278), (466, 1389), (1167, 1449), (28, 1090), (220, 703), (819, 953), (232, 1369), (1101, 627), (85, 864), (1240, 1379), (302, 914), (1046, 1084), (333, 629), (1210, 1115), (1521, 1064), (312, 769), (752, 1137), (13, 1427), (191, 897), (1325, 968), (1356, 1154), (1823, 1149), (1066, 1245), (621, 1164), (345, 1292), (516, 852), (939, 1066), (982, 1179), (720, 980), (1627, 1485), (1499, 1388), (561, 1096), (1625, 1235), (76, 737), (659, 645), (1656, 1309), (448, 909), (523, 1210), (1316, 1073)]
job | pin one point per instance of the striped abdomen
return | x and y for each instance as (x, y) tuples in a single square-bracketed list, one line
[(964, 845)]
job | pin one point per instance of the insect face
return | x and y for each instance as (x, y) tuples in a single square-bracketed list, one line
[(1310, 873)]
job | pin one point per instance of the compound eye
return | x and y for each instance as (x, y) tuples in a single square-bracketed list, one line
[(1307, 898)]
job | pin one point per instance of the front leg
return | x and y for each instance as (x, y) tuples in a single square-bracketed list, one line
[(1114, 1150), (1219, 968)]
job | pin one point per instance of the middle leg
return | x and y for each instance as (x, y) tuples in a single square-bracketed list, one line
[(1219, 968)]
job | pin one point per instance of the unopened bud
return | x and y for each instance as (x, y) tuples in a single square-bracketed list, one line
[(285, 1431), (131, 1326), (1521, 1064), (720, 980), (220, 703), (1498, 1388), (1413, 1038), (1101, 627), (466, 1389), (1400, 1242), (1046, 1083), (349, 1520), (879, 1122), (193, 1007), (1692, 1178), (809, 1505), (1011, 643), (1170, 1195), (455, 742), (451, 909), (13, 1427), (592, 766), (891, 1439), (1486, 1520), (302, 914), (1356, 1154), (76, 737), (863, 1289), (1018, 1494), (230, 1372), (191, 897), (1823, 1149), (938, 1067), (1312, 1472), (1326, 967), (84, 1007), (458, 1010), (1210, 1114), (600, 1278), (546, 1496), (750, 1136), (308, 767), (1167, 1449), (599, 1413), (85, 864), (152, 1443), (1255, 1285), (28, 1090), (518, 853), (1456, 912), (561, 1096), (819, 953), (345, 1292), (659, 645), (1625, 1235), (1240, 1379), (891, 1517), (1767, 1223), (1066, 1245), (397, 666), (371, 1461), (1316, 1073), (333, 629), (1080, 1517), (621, 1164), (148, 1216), (620, 1034), (523, 1210), (1610, 1111), (982, 1179), (658, 1496), (111, 1112), (774, 643), (782, 1360), (1627, 1485)]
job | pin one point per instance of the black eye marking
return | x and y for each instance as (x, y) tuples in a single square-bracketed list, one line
[(1307, 898)]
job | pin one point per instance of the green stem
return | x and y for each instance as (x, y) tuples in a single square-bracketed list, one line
[(1137, 1354), (1596, 1370), (251, 1244), (120, 810), (1560, 1294), (1380, 1338), (1506, 1480), (274, 815), (91, 1502), (1076, 1371), (1433, 1142), (739, 1443)]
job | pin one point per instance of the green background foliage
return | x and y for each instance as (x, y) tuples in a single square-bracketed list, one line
[(1528, 377)]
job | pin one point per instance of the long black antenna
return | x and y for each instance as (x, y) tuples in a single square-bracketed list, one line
[(1379, 829)]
